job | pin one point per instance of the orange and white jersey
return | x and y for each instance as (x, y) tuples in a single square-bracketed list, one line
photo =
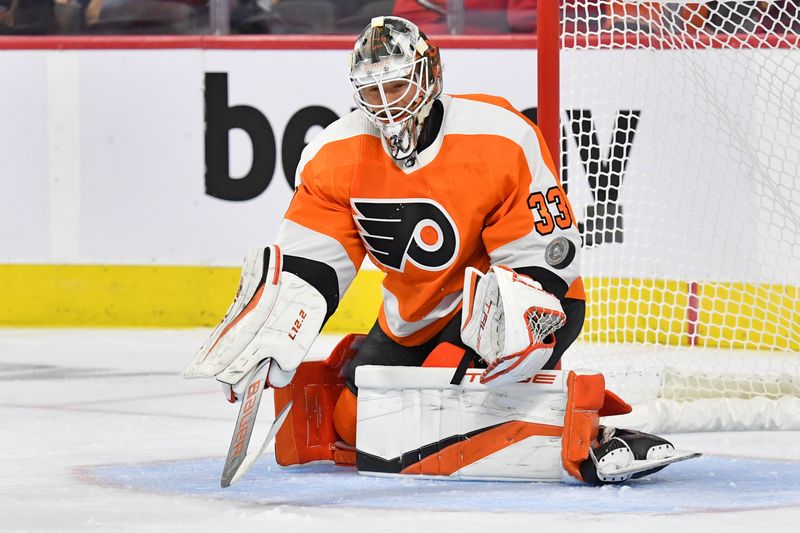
[(484, 192)]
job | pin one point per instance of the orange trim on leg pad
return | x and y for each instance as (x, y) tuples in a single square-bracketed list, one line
[(585, 398), (453, 458), (614, 405), (308, 433)]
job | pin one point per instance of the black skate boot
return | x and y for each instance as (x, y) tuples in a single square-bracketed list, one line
[(623, 454)]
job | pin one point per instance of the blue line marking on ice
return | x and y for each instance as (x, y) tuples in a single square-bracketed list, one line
[(700, 485)]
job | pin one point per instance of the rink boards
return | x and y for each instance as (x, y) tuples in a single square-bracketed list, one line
[(142, 190)]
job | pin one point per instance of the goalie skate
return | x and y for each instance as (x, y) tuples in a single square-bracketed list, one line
[(625, 454)]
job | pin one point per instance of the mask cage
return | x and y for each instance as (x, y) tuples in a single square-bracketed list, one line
[(391, 112)]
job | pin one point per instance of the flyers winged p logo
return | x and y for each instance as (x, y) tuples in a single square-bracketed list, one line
[(396, 231)]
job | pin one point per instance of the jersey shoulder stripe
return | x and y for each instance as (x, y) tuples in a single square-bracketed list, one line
[(520, 124), (496, 101), (474, 116), (494, 117), (351, 125)]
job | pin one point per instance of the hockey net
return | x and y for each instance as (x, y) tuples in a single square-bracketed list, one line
[(680, 150)]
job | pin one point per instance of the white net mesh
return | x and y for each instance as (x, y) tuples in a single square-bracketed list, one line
[(542, 322), (681, 155)]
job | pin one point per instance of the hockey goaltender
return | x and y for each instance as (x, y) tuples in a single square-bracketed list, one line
[(455, 198)]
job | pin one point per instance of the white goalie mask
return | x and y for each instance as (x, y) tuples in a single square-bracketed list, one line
[(397, 74)]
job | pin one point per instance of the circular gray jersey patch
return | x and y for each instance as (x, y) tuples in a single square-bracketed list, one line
[(559, 253)]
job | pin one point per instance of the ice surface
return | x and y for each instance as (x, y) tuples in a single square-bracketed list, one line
[(100, 433)]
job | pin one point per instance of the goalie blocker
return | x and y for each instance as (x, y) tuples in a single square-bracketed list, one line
[(440, 421)]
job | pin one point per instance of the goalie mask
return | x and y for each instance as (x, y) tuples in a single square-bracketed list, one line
[(397, 74)]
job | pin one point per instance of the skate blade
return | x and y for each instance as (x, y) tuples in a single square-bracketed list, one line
[(646, 464)]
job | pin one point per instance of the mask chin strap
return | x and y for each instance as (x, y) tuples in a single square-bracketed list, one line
[(402, 138), (401, 143)]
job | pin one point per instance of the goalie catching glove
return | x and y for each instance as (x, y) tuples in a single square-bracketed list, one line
[(509, 321), (276, 316)]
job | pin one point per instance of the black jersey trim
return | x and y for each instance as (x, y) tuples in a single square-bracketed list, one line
[(372, 463), (431, 126), (550, 281), (317, 274)]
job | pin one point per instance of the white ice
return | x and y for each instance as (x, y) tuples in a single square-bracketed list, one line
[(100, 433)]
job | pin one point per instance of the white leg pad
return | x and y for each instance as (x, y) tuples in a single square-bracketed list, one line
[(412, 421)]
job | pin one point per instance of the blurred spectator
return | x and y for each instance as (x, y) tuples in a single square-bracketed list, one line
[(283, 16), (733, 17), (780, 16), (138, 16), (7, 9), (479, 16), (742, 16), (68, 15), (656, 16), (305, 16), (582, 16), (360, 13), (42, 17), (26, 17)]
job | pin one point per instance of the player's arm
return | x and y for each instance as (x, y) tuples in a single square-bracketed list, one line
[(532, 231), (533, 228), (286, 294)]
